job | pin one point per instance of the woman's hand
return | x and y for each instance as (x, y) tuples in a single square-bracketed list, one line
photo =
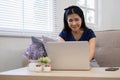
[(60, 39)]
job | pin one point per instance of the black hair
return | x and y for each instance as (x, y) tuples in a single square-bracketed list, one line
[(70, 10)]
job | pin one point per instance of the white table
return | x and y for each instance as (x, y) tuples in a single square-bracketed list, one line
[(93, 74)]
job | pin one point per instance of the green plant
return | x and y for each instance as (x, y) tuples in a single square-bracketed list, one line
[(44, 60)]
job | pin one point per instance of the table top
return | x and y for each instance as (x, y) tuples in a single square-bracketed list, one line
[(94, 72)]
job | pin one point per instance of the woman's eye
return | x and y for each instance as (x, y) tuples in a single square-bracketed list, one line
[(76, 19), (70, 20)]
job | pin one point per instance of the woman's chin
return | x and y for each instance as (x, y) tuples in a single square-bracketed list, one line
[(75, 30)]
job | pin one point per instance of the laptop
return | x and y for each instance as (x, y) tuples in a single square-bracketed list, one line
[(70, 55)]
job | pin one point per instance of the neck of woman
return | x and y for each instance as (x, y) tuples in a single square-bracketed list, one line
[(77, 32)]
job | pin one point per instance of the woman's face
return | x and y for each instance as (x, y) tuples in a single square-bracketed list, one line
[(74, 22)]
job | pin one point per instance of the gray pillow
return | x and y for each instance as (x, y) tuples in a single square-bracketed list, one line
[(108, 57), (48, 39), (36, 49)]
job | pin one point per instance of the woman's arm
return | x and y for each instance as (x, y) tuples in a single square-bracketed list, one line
[(92, 43)]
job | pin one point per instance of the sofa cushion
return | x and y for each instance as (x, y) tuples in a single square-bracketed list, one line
[(108, 57), (108, 38), (107, 51), (48, 39)]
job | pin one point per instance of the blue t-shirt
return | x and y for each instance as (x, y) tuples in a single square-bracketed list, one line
[(86, 36)]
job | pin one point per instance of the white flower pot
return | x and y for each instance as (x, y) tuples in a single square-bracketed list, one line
[(46, 67), (34, 66), (38, 68)]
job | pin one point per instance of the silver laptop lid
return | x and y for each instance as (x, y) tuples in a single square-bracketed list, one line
[(72, 55)]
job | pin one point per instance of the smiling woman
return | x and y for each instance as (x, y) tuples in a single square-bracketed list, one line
[(75, 29)]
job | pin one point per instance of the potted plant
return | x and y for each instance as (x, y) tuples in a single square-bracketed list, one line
[(46, 63)]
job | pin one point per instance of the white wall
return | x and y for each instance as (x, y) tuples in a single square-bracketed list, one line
[(109, 14), (11, 50)]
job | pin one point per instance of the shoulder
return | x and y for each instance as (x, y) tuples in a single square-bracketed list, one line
[(89, 30), (63, 32), (90, 33)]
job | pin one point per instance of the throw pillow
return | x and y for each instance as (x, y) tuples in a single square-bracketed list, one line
[(48, 39)]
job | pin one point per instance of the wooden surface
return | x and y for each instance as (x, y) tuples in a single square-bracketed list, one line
[(93, 74)]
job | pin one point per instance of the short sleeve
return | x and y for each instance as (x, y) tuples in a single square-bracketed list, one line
[(91, 34), (63, 34)]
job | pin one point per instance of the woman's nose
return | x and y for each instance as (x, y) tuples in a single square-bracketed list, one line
[(74, 23)]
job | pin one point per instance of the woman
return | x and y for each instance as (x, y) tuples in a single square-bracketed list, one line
[(75, 29)]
